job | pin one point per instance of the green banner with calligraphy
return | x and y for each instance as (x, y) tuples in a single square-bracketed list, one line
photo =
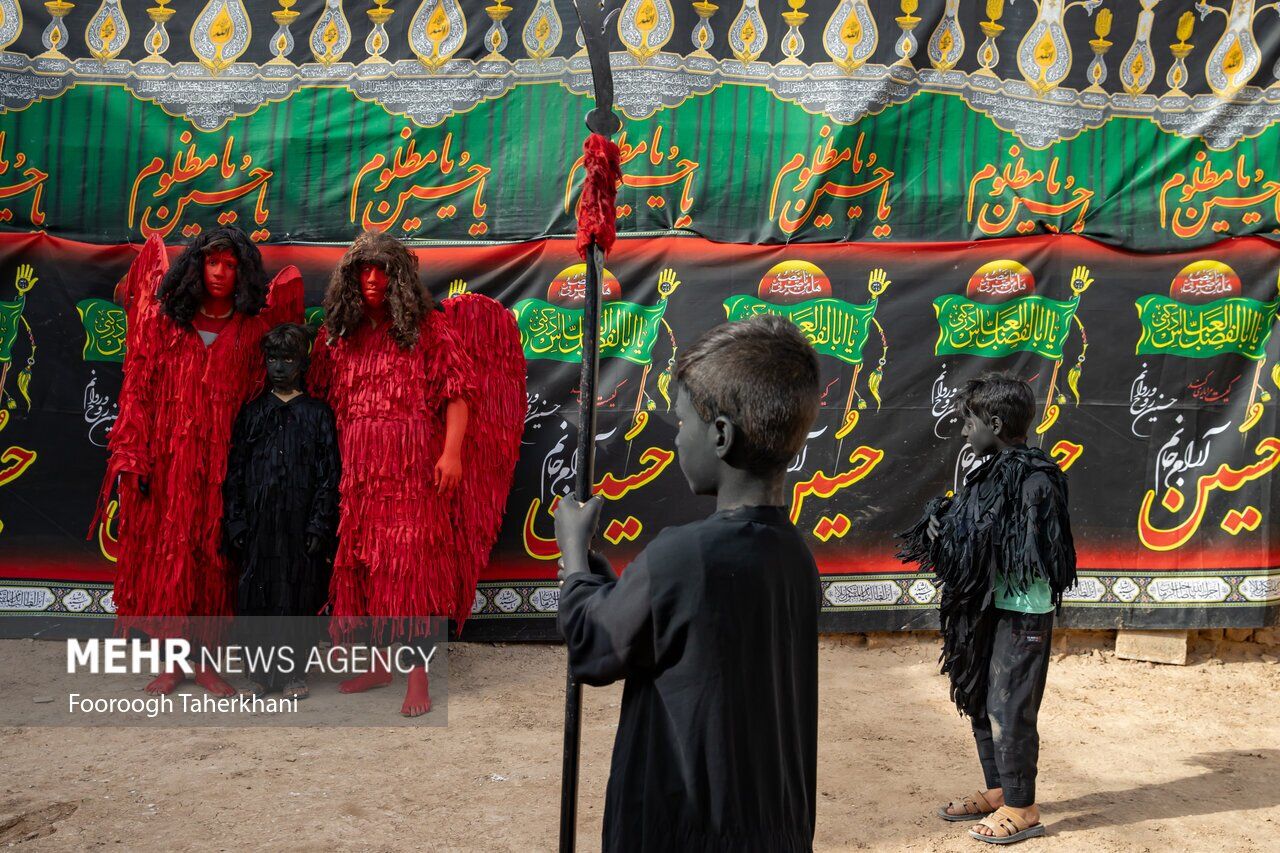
[(104, 330), (1234, 325), (10, 316), (1027, 324), (835, 328), (627, 331)]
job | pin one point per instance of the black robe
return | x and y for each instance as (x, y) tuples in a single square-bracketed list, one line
[(281, 486), (1010, 519), (714, 628)]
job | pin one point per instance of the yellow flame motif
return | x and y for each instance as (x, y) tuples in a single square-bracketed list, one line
[(541, 30), (945, 43), (1046, 51), (107, 31), (330, 36), (995, 8), (851, 33), (221, 30), (748, 34), (1233, 60), (1137, 67), (438, 26), (646, 17)]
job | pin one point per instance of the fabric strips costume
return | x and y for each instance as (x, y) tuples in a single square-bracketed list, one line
[(1008, 521), (405, 552), (177, 405)]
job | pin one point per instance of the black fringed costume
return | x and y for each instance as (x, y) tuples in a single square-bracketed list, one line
[(1009, 521), (281, 486)]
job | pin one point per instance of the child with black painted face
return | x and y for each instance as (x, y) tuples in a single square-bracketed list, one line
[(281, 509), (1003, 553), (714, 625)]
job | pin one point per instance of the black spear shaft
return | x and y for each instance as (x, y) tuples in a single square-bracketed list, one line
[(594, 21), (584, 478)]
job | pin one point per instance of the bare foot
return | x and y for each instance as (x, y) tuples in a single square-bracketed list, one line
[(165, 683), (1029, 815), (994, 799), (378, 676), (417, 697), (211, 681)]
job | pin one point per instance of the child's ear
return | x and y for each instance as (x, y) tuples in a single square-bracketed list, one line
[(997, 425), (726, 432)]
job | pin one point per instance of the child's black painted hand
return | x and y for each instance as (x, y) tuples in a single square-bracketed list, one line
[(314, 544), (935, 528), (576, 525)]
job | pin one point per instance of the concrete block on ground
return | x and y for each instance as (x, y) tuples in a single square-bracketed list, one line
[(1154, 646)]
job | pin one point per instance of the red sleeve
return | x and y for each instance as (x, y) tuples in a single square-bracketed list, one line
[(130, 440), (449, 370), (284, 298), (131, 433), (321, 368)]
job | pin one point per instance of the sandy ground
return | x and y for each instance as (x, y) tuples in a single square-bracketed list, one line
[(1135, 757)]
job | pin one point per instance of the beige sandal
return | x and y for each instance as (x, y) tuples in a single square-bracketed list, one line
[(1010, 825), (296, 690), (253, 691), (975, 808)]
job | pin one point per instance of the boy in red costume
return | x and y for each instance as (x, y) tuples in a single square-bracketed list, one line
[(423, 481), (193, 359)]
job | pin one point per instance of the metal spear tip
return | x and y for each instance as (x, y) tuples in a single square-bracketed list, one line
[(603, 122)]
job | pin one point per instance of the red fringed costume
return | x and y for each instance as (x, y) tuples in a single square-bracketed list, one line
[(405, 552), (177, 405)]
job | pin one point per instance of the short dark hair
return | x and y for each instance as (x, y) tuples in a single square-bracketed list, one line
[(1004, 396), (761, 374), (288, 339)]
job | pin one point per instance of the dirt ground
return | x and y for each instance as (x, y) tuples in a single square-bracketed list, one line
[(1135, 757)]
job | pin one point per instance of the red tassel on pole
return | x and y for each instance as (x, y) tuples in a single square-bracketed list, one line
[(597, 207)]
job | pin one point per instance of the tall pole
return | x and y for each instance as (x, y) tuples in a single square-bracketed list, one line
[(584, 477), (595, 237)]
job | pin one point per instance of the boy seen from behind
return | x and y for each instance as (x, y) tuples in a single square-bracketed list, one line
[(714, 625)]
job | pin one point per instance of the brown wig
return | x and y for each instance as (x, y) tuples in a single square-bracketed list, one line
[(1004, 396), (761, 374), (408, 301), (182, 290)]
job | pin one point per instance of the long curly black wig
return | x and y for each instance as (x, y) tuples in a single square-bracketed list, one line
[(407, 299), (182, 290)]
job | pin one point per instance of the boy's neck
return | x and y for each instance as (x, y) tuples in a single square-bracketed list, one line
[(1002, 445), (740, 488), (286, 396)]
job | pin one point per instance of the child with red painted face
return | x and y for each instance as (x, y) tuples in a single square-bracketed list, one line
[(1003, 553)]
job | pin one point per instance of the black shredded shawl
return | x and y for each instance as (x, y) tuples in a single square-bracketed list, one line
[(282, 485), (1009, 519)]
